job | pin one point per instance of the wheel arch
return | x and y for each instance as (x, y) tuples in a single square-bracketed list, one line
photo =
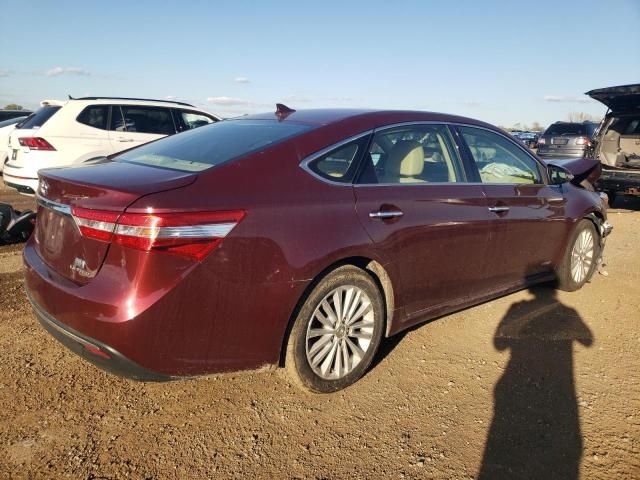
[(377, 272)]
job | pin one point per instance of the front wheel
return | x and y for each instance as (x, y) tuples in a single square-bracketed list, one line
[(580, 259), (336, 332)]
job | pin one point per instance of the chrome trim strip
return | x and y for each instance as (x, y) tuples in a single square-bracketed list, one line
[(498, 209), (385, 215), (213, 230), (304, 164), (55, 206)]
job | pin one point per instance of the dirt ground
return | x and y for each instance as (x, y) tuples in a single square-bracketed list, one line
[(532, 385)]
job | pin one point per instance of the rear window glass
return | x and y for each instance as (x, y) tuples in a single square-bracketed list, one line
[(39, 118), (205, 147), (571, 129), (11, 121)]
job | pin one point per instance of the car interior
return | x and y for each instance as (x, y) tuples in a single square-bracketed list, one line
[(497, 163), (620, 144), (410, 156)]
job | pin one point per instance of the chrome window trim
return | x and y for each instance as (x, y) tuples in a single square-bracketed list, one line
[(304, 164), (55, 206)]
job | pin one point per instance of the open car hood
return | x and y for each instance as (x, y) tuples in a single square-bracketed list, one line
[(581, 168), (623, 98)]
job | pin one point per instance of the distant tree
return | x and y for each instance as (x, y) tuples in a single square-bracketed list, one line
[(582, 117), (536, 127), (13, 106)]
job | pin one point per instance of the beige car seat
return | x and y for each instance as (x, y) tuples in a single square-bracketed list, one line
[(405, 163)]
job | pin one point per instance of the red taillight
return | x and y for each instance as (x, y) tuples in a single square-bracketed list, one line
[(583, 141), (541, 141), (96, 224), (189, 234), (35, 143)]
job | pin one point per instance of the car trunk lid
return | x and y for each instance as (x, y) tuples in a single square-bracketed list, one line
[(109, 187), (623, 98)]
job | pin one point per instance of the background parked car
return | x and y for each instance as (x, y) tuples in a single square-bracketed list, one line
[(64, 133), (617, 141), (566, 139), (9, 114), (530, 139), (6, 127)]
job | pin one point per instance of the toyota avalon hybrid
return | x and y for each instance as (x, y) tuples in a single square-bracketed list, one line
[(300, 239)]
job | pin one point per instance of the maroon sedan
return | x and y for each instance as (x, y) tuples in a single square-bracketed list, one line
[(299, 239)]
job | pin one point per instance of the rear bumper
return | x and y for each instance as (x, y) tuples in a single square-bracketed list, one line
[(101, 355), (620, 181), (14, 179)]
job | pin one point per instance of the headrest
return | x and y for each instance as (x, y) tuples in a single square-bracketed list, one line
[(406, 158)]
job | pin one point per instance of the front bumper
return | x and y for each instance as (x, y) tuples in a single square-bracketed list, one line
[(101, 355)]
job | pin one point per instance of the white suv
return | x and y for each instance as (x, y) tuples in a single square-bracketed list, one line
[(64, 133)]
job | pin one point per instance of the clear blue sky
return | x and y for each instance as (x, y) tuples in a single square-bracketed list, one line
[(503, 62)]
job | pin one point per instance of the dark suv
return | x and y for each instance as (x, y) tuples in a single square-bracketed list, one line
[(566, 139)]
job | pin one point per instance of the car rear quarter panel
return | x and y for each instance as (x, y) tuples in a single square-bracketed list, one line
[(231, 311)]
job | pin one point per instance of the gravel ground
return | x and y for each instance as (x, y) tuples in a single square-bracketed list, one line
[(532, 385)]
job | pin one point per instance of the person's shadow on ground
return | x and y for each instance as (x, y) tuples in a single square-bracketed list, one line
[(535, 431)]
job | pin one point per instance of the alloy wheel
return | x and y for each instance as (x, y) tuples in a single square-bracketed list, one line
[(582, 256), (339, 332)]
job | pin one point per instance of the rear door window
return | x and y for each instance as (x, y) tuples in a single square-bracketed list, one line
[(94, 116), (40, 117), (117, 120), (142, 119), (420, 153)]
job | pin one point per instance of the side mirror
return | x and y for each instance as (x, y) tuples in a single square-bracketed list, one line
[(558, 175)]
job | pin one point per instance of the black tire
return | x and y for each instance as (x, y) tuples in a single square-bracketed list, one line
[(297, 365), (612, 194), (566, 280)]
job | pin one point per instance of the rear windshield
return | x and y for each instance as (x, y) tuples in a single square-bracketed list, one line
[(37, 119), (582, 129), (205, 147), (11, 121)]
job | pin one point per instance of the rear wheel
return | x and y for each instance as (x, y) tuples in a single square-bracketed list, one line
[(612, 194), (581, 257), (336, 332)]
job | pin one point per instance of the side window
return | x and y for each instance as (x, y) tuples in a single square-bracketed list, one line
[(190, 120), (117, 121), (95, 116), (156, 120), (411, 154), (500, 160), (339, 164)]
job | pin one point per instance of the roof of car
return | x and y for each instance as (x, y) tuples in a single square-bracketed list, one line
[(129, 99), (371, 117)]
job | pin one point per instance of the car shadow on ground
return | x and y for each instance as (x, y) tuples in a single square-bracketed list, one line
[(535, 431)]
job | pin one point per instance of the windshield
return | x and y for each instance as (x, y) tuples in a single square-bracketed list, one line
[(205, 147), (37, 119)]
